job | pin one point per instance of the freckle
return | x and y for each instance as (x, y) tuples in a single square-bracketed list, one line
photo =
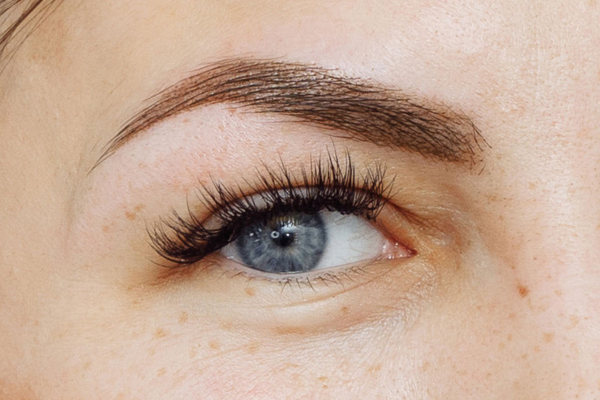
[(558, 293), (139, 208), (214, 344), (193, 352), (548, 337), (250, 291), (130, 216), (344, 310), (523, 290), (532, 185), (512, 315), (183, 318), (289, 330), (322, 378), (583, 134), (186, 120), (501, 345), (574, 322), (509, 337), (524, 356), (373, 370), (252, 348), (226, 326), (290, 365), (160, 333), (425, 366), (105, 228), (161, 372), (536, 349)]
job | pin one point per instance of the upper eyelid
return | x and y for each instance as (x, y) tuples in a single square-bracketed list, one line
[(270, 180)]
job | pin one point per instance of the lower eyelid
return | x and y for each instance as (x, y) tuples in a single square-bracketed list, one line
[(321, 283), (322, 280), (328, 302)]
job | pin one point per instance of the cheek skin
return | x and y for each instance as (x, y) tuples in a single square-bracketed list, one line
[(330, 349)]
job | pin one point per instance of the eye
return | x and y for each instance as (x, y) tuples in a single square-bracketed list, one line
[(318, 219), (301, 242)]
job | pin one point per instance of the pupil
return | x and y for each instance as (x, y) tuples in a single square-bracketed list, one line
[(284, 236)]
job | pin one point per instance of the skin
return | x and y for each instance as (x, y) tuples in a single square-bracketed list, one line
[(500, 302)]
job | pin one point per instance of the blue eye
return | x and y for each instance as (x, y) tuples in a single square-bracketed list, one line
[(288, 243), (319, 218), (301, 242)]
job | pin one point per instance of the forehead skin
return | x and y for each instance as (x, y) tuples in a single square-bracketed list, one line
[(527, 72)]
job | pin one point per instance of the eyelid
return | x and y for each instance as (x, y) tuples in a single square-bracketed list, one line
[(326, 184)]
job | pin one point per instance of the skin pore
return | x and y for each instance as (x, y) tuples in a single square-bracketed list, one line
[(488, 287)]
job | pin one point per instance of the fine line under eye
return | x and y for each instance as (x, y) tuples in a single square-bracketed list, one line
[(326, 185)]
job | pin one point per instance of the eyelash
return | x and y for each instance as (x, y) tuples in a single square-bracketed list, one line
[(328, 185)]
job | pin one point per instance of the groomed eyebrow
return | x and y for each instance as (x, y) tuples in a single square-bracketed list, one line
[(346, 106)]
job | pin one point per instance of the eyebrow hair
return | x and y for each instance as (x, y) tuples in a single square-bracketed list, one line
[(18, 20), (349, 107)]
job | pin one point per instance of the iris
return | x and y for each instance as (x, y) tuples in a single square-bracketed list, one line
[(284, 244)]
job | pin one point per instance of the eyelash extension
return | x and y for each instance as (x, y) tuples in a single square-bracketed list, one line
[(324, 186)]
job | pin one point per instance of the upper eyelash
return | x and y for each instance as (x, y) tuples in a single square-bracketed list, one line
[(325, 185)]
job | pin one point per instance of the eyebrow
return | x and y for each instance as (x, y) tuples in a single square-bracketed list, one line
[(349, 107)]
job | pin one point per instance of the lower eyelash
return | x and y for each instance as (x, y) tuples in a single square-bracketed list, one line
[(326, 185), (326, 278)]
